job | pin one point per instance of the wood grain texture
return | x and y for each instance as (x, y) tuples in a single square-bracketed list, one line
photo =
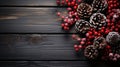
[(43, 64), (57, 64), (38, 47), (52, 48), (28, 2), (30, 20), (33, 2)]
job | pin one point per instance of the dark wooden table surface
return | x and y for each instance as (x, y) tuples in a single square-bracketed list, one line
[(31, 36)]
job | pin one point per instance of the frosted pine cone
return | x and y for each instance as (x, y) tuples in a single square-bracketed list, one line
[(113, 38), (82, 26), (98, 20), (91, 52), (99, 5), (100, 42), (84, 10)]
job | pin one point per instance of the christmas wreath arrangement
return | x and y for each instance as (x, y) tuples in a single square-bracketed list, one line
[(98, 21)]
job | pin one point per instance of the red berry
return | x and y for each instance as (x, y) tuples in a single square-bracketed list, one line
[(111, 54), (82, 42), (114, 1), (90, 33), (69, 8), (115, 5), (116, 29), (63, 2), (58, 2), (80, 46), (99, 34), (109, 11), (62, 25), (79, 1), (102, 31), (66, 1), (62, 17), (107, 31), (113, 27), (89, 43), (108, 20), (111, 5), (108, 24), (110, 2), (75, 7), (75, 46), (69, 4), (66, 28), (78, 39), (58, 13), (108, 47), (95, 33), (72, 3), (83, 39), (87, 34), (114, 59), (76, 49), (73, 36), (66, 24)]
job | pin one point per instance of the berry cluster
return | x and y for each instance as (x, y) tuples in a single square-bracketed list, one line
[(98, 23), (72, 17)]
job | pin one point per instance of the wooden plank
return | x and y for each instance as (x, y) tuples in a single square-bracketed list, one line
[(44, 64), (38, 47), (28, 2), (57, 64), (33, 2), (30, 20)]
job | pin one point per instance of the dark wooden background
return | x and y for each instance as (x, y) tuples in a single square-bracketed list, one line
[(31, 36)]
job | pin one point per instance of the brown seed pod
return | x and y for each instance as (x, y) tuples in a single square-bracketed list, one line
[(113, 38), (82, 26), (99, 5), (99, 42), (91, 52), (84, 10), (98, 20)]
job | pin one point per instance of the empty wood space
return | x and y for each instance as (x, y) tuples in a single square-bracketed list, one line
[(38, 47), (31, 20), (28, 3), (55, 64)]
